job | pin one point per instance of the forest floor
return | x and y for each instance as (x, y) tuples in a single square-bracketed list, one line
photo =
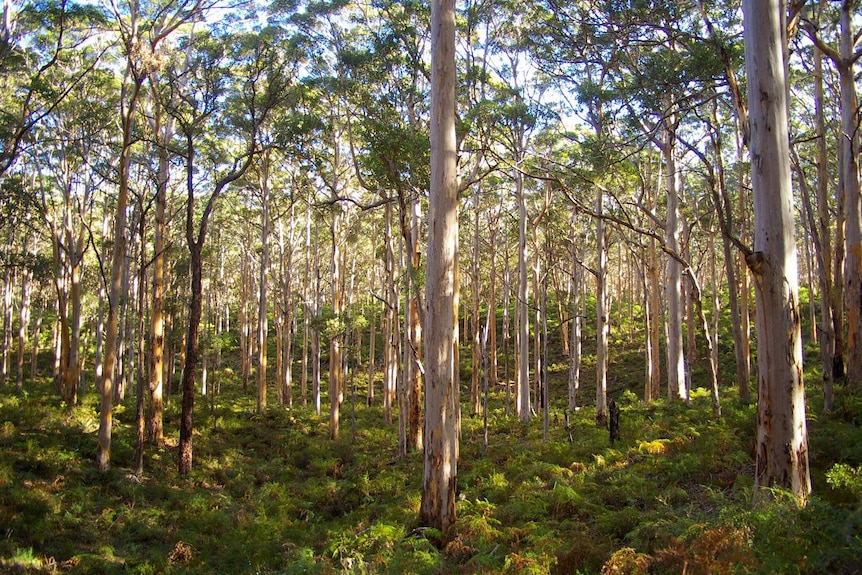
[(272, 493)]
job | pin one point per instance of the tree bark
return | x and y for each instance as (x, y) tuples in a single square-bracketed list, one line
[(106, 385), (441, 399), (675, 358), (602, 324), (263, 285), (155, 413), (522, 388), (781, 438)]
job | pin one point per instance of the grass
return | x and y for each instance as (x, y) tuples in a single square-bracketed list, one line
[(272, 494)]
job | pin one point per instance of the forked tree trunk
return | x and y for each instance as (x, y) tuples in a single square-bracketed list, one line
[(781, 438), (437, 508)]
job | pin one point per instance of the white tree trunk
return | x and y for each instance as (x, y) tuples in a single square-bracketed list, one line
[(522, 389), (441, 338), (262, 303), (602, 323), (675, 358), (781, 438)]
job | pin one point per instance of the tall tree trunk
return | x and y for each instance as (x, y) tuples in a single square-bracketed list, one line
[(315, 334), (491, 342), (155, 426), (390, 351), (262, 326), (781, 438), (675, 357), (852, 195), (140, 423), (24, 318), (336, 342), (824, 235), (8, 282), (100, 316), (306, 307), (575, 339), (118, 255), (286, 373), (441, 398), (744, 341), (522, 356), (372, 327), (475, 398), (602, 323), (184, 465), (653, 286), (414, 335)]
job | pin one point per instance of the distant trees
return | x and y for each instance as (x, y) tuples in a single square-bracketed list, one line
[(600, 149)]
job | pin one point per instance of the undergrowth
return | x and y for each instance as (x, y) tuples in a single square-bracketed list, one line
[(272, 494)]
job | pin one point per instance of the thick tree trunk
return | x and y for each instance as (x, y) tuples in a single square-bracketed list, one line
[(781, 439), (441, 399), (852, 195)]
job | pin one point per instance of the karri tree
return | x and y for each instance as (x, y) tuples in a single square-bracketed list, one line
[(782, 436), (441, 288)]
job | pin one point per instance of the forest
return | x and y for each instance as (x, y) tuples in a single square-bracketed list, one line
[(379, 286)]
